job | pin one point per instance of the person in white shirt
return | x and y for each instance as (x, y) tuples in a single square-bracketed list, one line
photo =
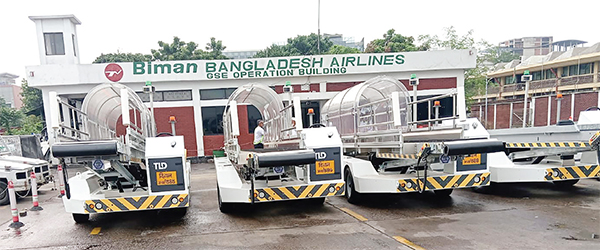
[(259, 135)]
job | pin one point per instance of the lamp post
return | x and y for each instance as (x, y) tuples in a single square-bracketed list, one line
[(526, 77), (149, 89)]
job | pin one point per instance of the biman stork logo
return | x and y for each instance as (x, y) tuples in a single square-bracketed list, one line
[(113, 72)]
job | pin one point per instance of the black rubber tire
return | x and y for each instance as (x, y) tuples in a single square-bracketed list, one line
[(351, 194), (565, 184), (224, 207), (443, 192), (4, 198), (81, 218)]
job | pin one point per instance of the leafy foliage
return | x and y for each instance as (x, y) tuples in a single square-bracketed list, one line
[(10, 118), (122, 57), (31, 125), (215, 50), (297, 46), (393, 42), (177, 50), (32, 100), (338, 49), (475, 79)]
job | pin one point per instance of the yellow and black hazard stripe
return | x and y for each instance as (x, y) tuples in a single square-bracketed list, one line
[(397, 156), (574, 172), (136, 203), (298, 192), (548, 145), (595, 137), (445, 182)]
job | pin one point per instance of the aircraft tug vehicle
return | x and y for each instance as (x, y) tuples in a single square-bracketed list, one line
[(127, 167), (295, 163)]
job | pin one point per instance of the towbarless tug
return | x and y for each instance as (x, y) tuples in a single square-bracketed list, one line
[(387, 151), (127, 167), (295, 163)]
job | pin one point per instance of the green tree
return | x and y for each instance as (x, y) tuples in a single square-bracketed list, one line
[(31, 125), (393, 42), (177, 50), (297, 46), (33, 103), (276, 51), (475, 79), (10, 118), (214, 50), (122, 57), (338, 49)]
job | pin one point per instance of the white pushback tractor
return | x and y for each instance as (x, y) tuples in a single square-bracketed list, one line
[(130, 170), (563, 153), (388, 151), (295, 163)]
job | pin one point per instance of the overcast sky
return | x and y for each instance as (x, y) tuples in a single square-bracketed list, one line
[(137, 26)]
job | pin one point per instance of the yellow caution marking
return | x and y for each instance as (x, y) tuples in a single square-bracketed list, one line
[(137, 199), (147, 202), (434, 182), (126, 204), (353, 214), (95, 231), (321, 190), (565, 173), (164, 200), (306, 191), (467, 180), (578, 172), (180, 197), (288, 193), (408, 243), (595, 172), (110, 205), (272, 194)]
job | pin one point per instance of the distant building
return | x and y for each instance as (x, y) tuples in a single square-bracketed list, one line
[(10, 91), (240, 54), (528, 46), (574, 74), (339, 39)]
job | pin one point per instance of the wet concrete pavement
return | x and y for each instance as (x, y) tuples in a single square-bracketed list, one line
[(517, 216)]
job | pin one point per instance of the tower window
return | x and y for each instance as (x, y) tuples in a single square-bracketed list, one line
[(55, 45)]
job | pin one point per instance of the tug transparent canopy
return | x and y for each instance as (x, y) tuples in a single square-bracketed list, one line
[(367, 107), (268, 103), (102, 106)]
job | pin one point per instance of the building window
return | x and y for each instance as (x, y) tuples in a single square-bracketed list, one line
[(586, 68), (253, 116), (212, 120), (537, 75), (55, 45), (509, 80), (73, 40), (549, 74), (180, 95), (167, 96), (215, 94)]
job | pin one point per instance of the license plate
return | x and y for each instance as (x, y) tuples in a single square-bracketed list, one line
[(474, 159), (166, 178), (325, 167)]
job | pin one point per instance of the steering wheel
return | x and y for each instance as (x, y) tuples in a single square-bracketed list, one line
[(317, 125)]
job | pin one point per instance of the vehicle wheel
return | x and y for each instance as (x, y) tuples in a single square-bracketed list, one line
[(81, 218), (351, 195), (443, 192), (4, 198), (565, 183), (224, 207)]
